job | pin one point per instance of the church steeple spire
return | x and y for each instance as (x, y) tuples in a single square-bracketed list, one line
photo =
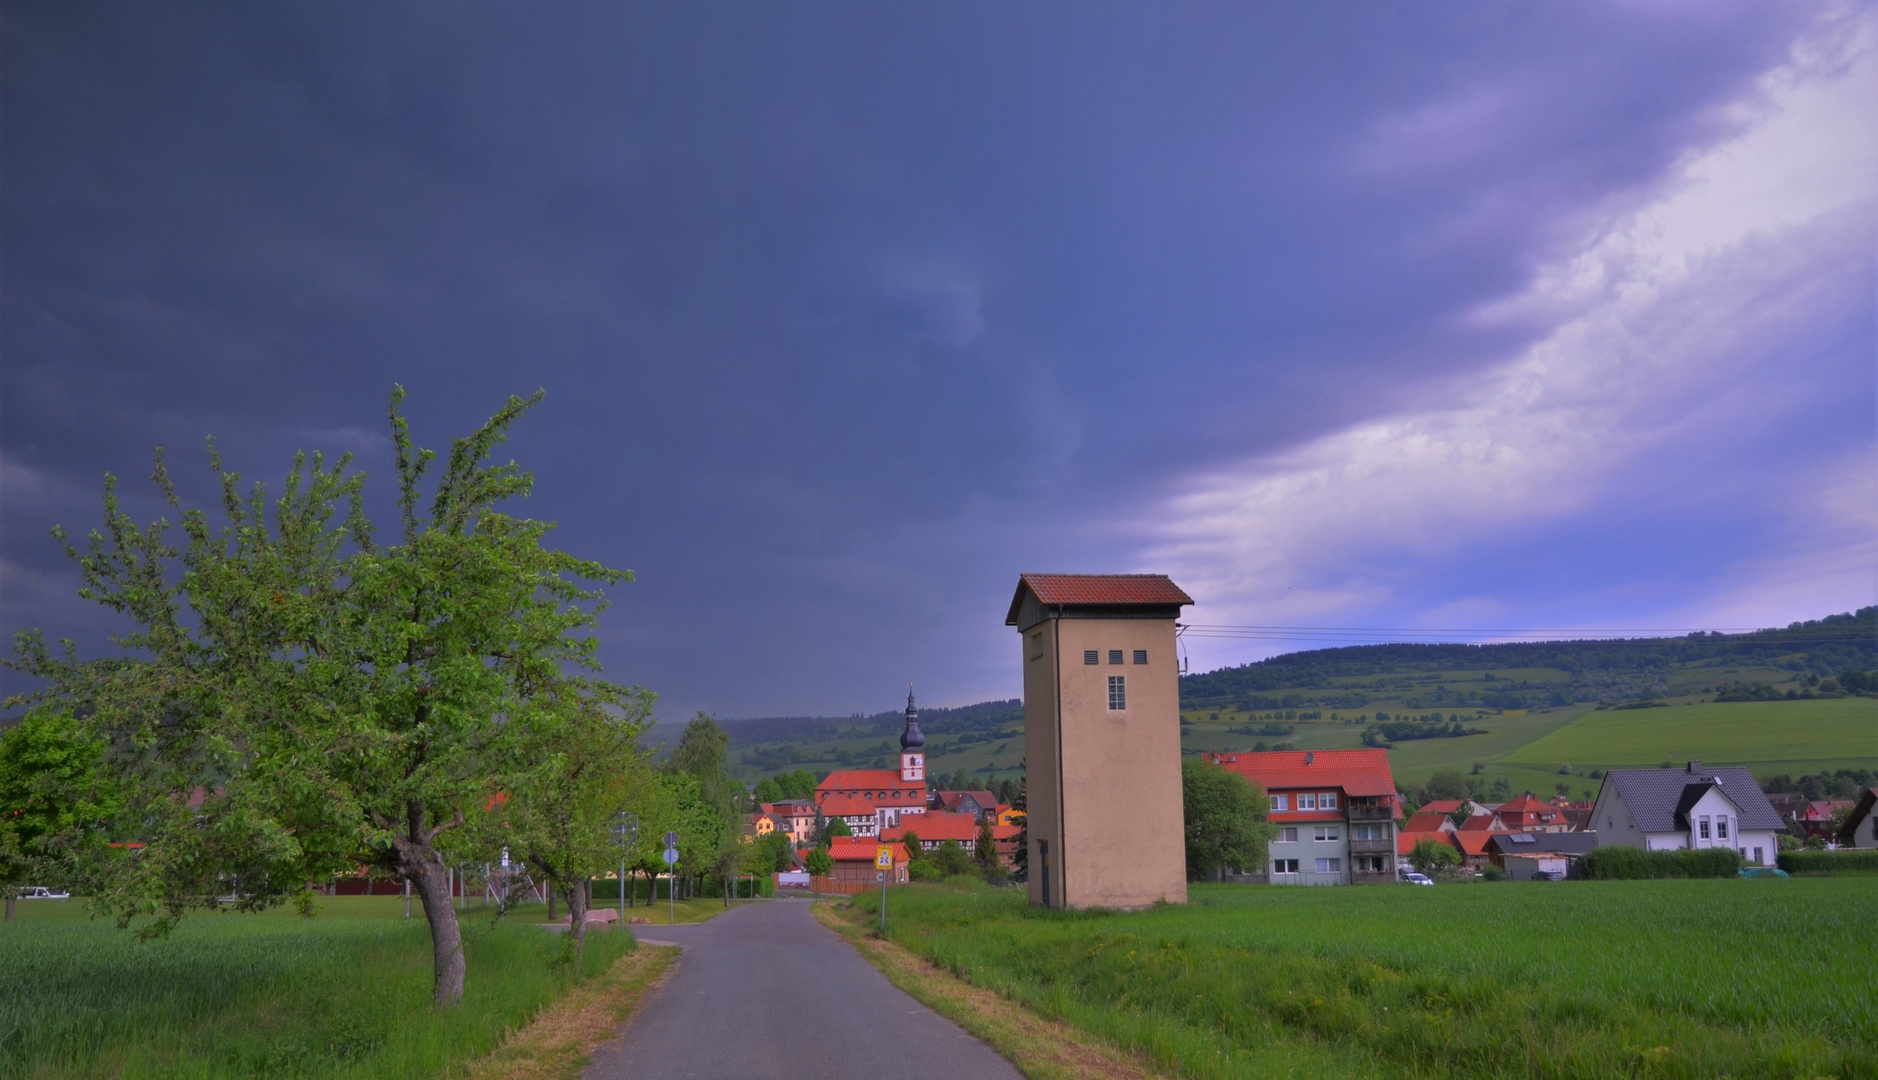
[(912, 744)]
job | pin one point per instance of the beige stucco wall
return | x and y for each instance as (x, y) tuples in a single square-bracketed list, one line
[(1114, 825)]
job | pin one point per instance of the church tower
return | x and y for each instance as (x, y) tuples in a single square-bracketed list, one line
[(912, 745)]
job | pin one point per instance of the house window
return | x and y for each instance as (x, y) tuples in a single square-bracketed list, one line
[(1288, 835), (1307, 802), (1721, 827), (1281, 802), (1330, 866), (1704, 833), (1757, 855), (1118, 693), (1367, 832), (1327, 801), (1141, 656), (1325, 832), (1284, 866), (1090, 656), (1115, 656)]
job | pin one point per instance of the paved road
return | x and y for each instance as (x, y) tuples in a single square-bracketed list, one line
[(766, 991)]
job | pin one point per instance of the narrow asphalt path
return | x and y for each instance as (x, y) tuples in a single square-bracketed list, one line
[(765, 991)]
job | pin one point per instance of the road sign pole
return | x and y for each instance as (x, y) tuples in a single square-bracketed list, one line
[(883, 901)]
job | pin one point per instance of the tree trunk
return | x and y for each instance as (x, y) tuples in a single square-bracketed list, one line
[(577, 922), (432, 882), (551, 910), (13, 896)]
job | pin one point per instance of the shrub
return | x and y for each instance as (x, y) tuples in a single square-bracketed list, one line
[(1828, 862), (1632, 863), (924, 870), (1492, 872)]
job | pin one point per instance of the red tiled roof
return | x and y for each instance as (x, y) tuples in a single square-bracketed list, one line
[(862, 849), (1425, 822), (1524, 804), (940, 826), (1405, 842), (1442, 806), (1475, 843), (867, 780), (1355, 772), (1482, 823), (846, 806), (1103, 589)]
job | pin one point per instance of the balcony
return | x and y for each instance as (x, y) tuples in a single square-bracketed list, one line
[(1360, 810), (1372, 847)]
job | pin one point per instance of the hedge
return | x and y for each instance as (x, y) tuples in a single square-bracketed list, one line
[(1631, 863), (1828, 862)]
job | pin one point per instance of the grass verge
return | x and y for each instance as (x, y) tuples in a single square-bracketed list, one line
[(1561, 981), (1042, 1049), (558, 1042)]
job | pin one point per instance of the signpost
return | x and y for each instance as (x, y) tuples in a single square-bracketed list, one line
[(625, 834), (883, 862), (671, 884)]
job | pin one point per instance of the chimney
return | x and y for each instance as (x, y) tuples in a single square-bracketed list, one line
[(1308, 758), (1695, 767)]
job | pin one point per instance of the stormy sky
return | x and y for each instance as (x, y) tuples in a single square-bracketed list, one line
[(1355, 315)]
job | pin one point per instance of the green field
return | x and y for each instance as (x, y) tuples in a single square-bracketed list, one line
[(344, 994), (1582, 979), (1790, 735)]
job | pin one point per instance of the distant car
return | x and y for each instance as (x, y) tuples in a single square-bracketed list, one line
[(40, 892), (1416, 879)]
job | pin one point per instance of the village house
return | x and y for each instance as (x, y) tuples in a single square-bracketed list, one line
[(795, 817), (1815, 817), (1861, 825), (1525, 855), (1691, 807), (1527, 814), (854, 867), (936, 827), (1334, 811), (981, 804), (860, 815)]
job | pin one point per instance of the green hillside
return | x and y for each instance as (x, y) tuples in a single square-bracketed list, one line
[(1514, 712)]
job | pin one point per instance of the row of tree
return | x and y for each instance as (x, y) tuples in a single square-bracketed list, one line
[(297, 699)]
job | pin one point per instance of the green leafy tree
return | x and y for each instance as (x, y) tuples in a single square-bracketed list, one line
[(831, 828), (297, 699), (818, 862), (767, 790), (774, 853), (952, 858), (985, 851), (578, 767), (1430, 855), (53, 797), (1446, 784), (1225, 817)]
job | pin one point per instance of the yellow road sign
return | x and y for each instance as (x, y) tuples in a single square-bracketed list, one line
[(883, 858)]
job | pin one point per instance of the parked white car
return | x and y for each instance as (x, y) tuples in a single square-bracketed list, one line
[(40, 892), (1413, 878)]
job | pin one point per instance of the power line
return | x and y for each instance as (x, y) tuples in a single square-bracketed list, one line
[(1418, 634)]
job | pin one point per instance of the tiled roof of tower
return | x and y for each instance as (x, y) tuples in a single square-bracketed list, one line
[(1104, 590)]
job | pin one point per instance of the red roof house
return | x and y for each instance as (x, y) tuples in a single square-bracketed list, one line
[(935, 828)]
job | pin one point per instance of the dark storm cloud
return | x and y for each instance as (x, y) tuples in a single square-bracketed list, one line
[(846, 314)]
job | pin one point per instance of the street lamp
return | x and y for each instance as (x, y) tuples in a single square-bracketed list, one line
[(625, 834)]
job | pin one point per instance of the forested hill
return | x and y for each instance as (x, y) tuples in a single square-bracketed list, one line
[(1593, 670), (1529, 674)]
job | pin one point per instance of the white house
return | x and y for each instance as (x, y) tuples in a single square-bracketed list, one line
[(1861, 827), (1693, 807)]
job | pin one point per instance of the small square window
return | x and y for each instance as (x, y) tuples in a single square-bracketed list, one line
[(1118, 693), (1090, 656), (1281, 802), (1288, 835), (1141, 656), (1284, 866), (1323, 866), (1327, 801), (1115, 656), (1307, 802), (1336, 866)]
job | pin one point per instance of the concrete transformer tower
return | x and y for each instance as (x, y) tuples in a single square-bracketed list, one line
[(1102, 738)]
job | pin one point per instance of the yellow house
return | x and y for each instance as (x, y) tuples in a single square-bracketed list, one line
[(1010, 816)]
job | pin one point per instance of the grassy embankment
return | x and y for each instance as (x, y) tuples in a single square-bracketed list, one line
[(345, 994), (1591, 979)]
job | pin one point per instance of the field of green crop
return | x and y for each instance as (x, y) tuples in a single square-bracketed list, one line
[(1770, 733), (345, 994), (1580, 979)]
